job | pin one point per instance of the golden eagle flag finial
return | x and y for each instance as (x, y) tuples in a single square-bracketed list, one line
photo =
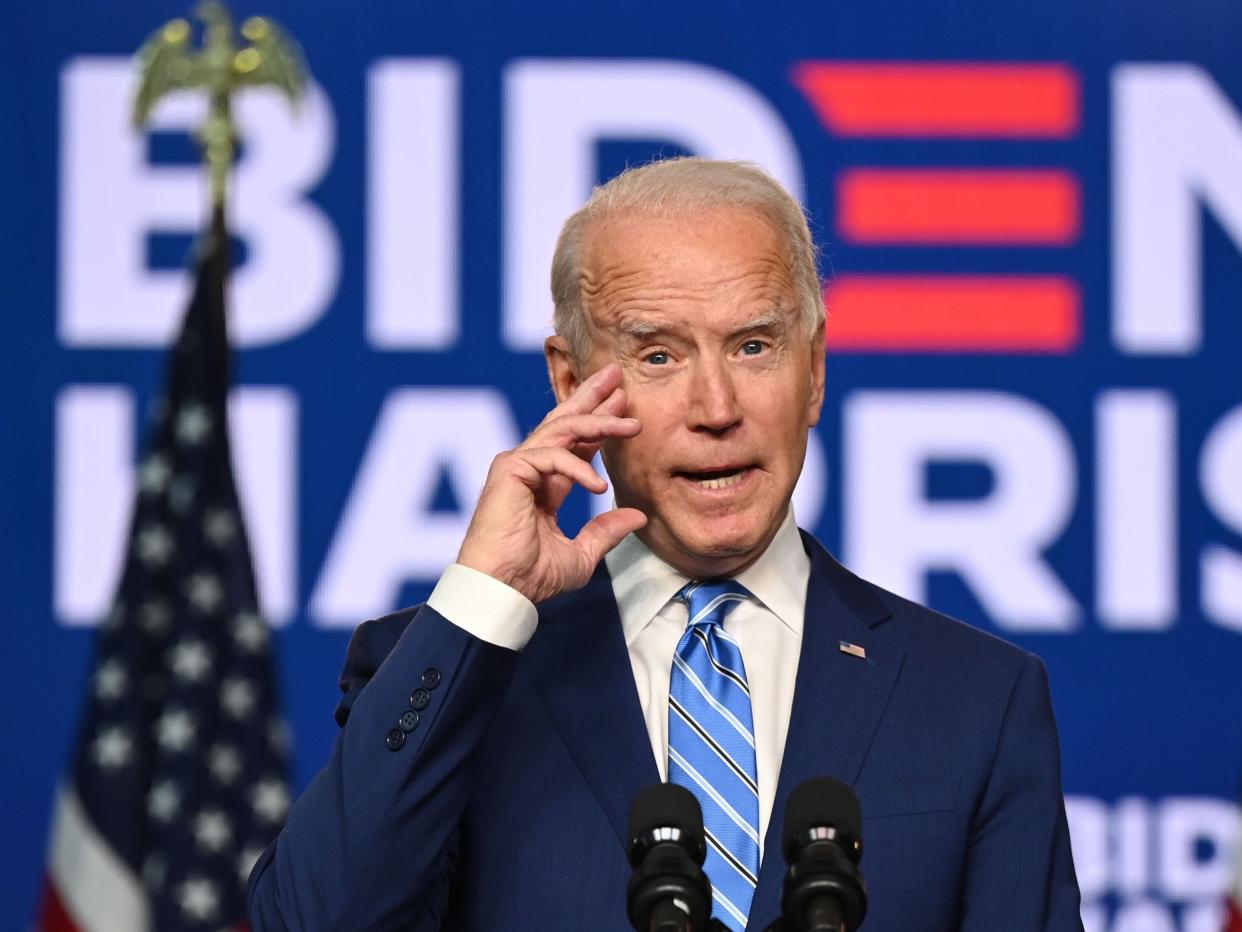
[(167, 62)]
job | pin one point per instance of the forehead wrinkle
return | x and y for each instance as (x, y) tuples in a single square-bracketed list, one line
[(604, 270), (616, 284), (635, 291), (594, 283), (641, 322)]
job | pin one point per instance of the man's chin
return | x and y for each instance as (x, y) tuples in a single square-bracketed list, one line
[(698, 555)]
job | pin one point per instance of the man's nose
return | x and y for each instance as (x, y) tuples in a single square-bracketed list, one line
[(713, 401)]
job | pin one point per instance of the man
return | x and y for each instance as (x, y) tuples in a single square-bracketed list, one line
[(494, 739)]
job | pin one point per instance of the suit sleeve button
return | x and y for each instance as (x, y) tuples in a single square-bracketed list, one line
[(395, 739), (419, 699), (408, 721), (431, 678)]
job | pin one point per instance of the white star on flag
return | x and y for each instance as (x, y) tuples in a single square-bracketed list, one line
[(110, 680), (270, 800), (154, 475), (113, 748), (212, 830), (163, 801), (154, 545), (193, 424), (199, 899), (225, 763), (190, 660), (250, 631), (237, 697), (205, 592), (175, 730), (219, 526)]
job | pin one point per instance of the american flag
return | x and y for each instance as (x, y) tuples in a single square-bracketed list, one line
[(179, 774)]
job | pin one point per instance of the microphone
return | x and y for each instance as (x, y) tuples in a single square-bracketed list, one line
[(668, 891), (824, 890)]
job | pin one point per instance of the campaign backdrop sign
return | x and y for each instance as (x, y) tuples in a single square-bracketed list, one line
[(1030, 218)]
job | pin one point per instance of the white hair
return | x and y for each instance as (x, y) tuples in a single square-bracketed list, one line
[(682, 186)]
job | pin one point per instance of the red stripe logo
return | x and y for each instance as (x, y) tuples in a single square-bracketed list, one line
[(953, 313), (948, 99), (945, 206), (935, 206)]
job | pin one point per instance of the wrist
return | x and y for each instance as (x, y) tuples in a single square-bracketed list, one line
[(503, 572), (484, 607)]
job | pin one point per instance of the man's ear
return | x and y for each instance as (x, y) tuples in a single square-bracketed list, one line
[(815, 402), (563, 372)]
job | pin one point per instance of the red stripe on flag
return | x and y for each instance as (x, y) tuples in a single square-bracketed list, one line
[(952, 206), (942, 99), (967, 314), (53, 917)]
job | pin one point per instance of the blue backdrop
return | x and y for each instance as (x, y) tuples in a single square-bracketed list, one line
[(1030, 216)]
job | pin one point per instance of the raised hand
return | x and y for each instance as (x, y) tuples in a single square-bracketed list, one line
[(514, 535)]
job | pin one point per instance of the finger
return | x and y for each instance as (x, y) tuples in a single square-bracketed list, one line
[(552, 494), (603, 532), (614, 404), (585, 451), (572, 429), (534, 467), (593, 390)]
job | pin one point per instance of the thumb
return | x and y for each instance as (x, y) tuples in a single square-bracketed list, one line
[(603, 532)]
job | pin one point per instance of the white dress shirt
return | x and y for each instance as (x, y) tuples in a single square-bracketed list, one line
[(768, 628)]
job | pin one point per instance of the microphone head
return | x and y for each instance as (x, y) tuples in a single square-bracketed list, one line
[(665, 812), (823, 810)]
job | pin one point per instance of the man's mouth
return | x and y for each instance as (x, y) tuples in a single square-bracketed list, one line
[(715, 479)]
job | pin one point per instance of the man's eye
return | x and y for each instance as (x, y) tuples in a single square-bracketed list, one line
[(658, 359), (752, 347)]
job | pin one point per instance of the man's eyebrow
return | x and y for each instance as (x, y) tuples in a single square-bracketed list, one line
[(646, 329), (642, 329), (772, 320)]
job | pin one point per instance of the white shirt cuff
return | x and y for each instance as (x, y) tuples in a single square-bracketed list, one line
[(485, 607)]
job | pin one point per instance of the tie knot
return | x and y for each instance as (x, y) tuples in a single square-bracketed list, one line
[(710, 602)]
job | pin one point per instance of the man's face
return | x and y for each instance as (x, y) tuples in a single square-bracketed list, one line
[(701, 314)]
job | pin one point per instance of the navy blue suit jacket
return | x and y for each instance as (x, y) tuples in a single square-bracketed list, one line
[(506, 807)]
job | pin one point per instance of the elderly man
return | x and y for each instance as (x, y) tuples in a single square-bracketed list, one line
[(493, 739)]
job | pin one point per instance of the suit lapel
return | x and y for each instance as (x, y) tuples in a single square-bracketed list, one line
[(581, 671), (838, 700)]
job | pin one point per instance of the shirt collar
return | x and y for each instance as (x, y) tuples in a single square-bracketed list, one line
[(643, 584)]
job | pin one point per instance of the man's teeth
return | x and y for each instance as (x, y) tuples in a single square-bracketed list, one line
[(722, 482)]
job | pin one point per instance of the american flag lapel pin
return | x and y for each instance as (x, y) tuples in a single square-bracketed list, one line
[(854, 650)]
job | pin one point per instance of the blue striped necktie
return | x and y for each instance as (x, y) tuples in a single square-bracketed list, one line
[(711, 745)]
